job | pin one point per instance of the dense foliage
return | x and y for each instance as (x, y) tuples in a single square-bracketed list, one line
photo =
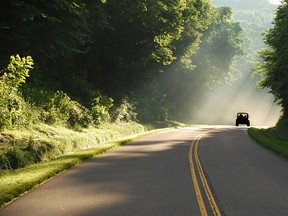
[(14, 111), (275, 65), (147, 55)]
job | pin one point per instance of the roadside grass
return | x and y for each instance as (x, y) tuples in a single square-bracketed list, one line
[(271, 138), (41, 142), (15, 182)]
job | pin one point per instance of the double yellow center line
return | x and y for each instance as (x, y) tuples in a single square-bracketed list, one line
[(193, 151)]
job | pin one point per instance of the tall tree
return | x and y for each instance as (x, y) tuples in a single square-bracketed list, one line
[(188, 82), (275, 65), (117, 47), (140, 35), (52, 32)]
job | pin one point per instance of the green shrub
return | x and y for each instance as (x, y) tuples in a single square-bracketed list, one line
[(14, 110), (100, 107), (38, 97), (17, 71), (58, 108), (71, 112), (125, 112)]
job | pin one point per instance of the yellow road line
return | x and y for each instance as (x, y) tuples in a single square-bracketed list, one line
[(196, 185), (205, 184), (207, 189)]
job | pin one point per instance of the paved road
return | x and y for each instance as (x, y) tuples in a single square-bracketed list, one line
[(248, 180), (154, 176)]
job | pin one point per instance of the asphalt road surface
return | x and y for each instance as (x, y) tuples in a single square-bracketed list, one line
[(187, 171)]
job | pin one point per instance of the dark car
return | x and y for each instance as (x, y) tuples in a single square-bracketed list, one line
[(242, 118)]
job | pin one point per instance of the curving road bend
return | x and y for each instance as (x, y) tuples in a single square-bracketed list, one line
[(154, 176)]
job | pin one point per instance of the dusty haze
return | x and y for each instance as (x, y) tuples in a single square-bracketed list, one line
[(222, 105)]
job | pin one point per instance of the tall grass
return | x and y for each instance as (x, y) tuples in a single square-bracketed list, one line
[(42, 142)]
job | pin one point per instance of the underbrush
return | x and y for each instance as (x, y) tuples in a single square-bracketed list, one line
[(37, 124)]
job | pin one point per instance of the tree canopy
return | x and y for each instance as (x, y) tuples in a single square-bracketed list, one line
[(275, 61), (89, 49)]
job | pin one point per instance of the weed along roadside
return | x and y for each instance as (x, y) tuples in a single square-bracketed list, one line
[(14, 182)]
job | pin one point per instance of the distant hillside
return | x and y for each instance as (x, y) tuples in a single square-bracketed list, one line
[(245, 4), (255, 17)]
